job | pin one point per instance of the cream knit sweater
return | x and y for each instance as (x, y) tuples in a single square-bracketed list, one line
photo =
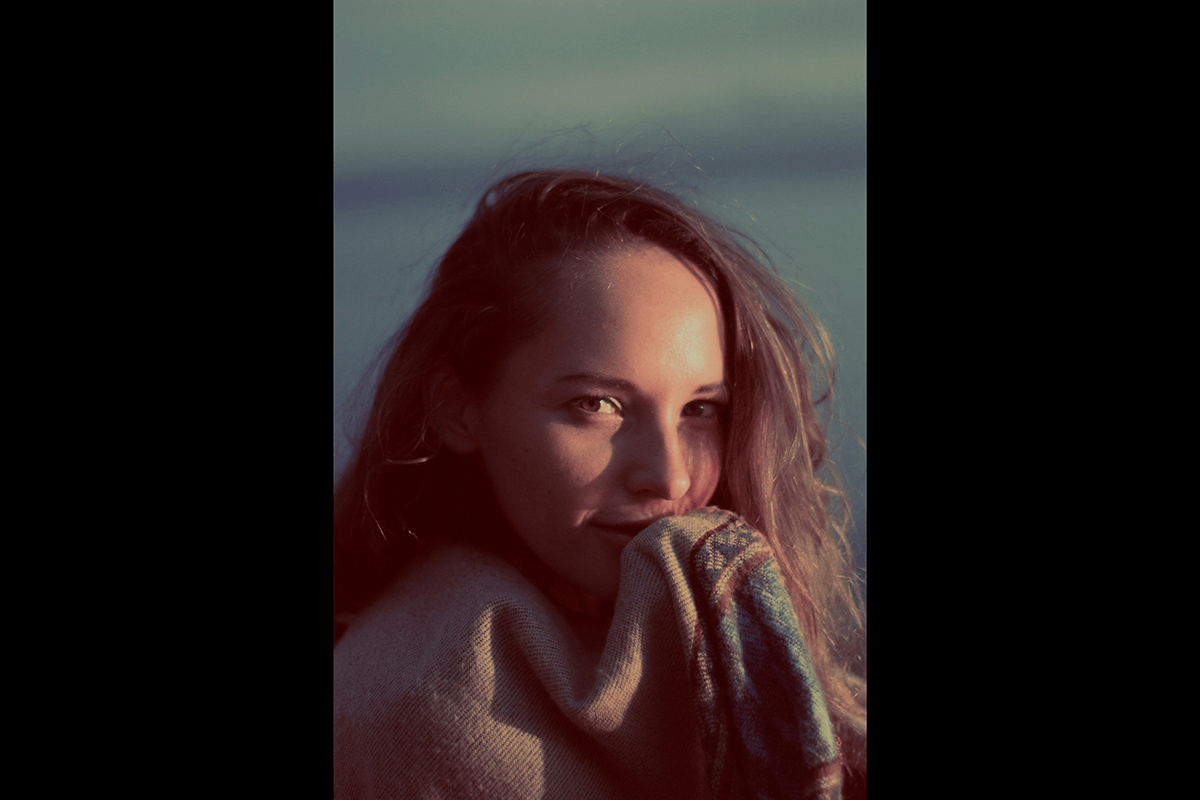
[(464, 681)]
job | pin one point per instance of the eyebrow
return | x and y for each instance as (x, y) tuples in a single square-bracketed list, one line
[(622, 385)]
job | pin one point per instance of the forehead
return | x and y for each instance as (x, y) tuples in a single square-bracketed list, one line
[(644, 316), (645, 282)]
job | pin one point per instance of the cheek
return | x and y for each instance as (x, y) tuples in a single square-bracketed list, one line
[(553, 470), (705, 467), (577, 458)]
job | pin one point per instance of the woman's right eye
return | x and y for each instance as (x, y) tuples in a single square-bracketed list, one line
[(599, 405)]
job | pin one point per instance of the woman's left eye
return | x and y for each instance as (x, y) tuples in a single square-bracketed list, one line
[(701, 408)]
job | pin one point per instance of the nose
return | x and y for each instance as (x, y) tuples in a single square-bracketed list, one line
[(660, 465)]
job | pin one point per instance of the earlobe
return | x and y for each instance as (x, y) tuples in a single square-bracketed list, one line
[(455, 415)]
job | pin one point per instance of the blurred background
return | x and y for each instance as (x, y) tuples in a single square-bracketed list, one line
[(756, 109)]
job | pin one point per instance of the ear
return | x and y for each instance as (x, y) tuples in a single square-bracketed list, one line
[(455, 415)]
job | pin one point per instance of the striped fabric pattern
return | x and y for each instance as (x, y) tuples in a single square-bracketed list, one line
[(765, 728)]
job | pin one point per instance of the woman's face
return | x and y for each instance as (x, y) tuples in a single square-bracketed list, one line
[(609, 419)]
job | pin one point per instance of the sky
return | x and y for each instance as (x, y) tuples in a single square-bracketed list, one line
[(747, 85), (759, 106)]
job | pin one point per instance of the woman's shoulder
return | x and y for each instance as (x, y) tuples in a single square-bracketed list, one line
[(440, 588), (433, 686), (451, 607)]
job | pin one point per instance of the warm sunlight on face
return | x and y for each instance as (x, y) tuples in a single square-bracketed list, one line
[(611, 418)]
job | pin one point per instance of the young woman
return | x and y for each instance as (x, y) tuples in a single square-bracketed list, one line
[(588, 545)]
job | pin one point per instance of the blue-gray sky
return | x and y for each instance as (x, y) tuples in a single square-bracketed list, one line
[(424, 83)]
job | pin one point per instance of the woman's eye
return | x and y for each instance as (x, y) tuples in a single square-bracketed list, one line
[(701, 408), (599, 405)]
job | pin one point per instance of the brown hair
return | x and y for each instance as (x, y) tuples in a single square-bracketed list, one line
[(497, 285)]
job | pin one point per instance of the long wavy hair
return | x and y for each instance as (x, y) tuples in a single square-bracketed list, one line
[(496, 287)]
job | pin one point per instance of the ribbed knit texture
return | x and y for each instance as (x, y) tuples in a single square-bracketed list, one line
[(465, 681)]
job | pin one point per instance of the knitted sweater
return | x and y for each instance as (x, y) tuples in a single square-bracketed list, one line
[(465, 681)]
